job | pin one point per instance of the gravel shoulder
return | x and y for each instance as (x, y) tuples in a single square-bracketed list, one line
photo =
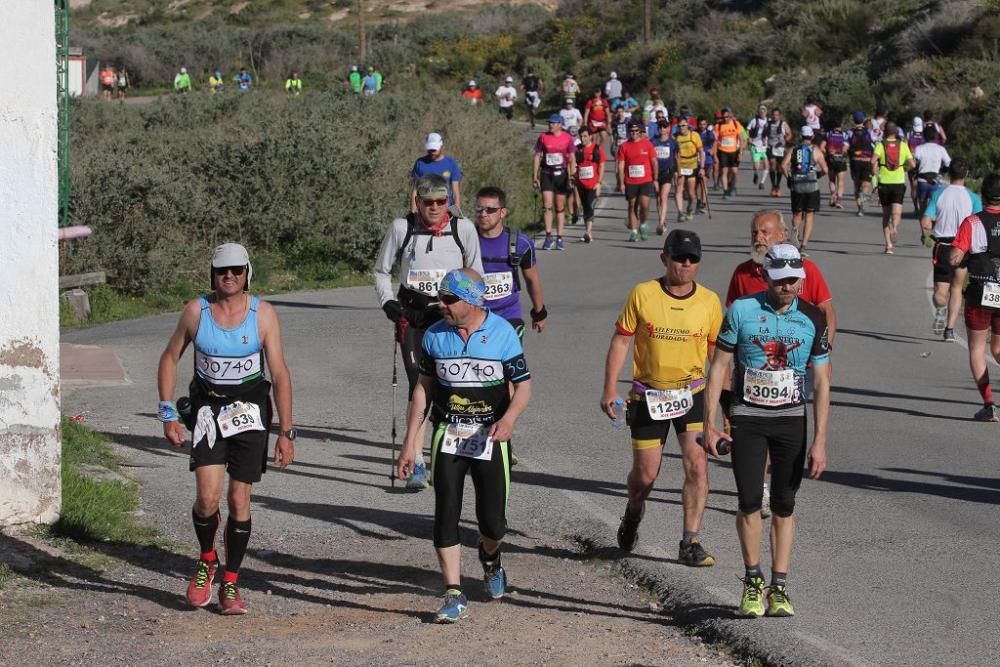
[(346, 601)]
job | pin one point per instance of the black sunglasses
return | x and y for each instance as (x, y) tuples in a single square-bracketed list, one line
[(776, 263), (448, 299), (487, 209), (680, 259), (223, 270)]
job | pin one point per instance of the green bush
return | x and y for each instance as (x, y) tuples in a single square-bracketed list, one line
[(314, 179)]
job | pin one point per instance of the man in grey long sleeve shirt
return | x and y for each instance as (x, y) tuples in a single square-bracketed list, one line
[(426, 245)]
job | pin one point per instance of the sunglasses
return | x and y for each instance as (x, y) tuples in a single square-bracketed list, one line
[(681, 259), (223, 270), (435, 202), (775, 263), (489, 210), (635, 131), (448, 299)]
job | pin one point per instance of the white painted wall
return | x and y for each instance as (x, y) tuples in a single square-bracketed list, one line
[(30, 488)]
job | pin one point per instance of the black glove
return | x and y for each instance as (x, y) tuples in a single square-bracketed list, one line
[(393, 310)]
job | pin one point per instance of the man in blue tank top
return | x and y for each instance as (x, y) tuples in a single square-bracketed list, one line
[(235, 335), (503, 259)]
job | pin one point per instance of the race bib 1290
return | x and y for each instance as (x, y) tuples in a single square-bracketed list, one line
[(666, 404)]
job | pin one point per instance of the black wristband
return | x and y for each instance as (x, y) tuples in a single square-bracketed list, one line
[(539, 315)]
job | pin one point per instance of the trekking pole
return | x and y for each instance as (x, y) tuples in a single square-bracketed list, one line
[(704, 186), (395, 383)]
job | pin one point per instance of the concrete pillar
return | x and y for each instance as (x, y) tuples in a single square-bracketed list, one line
[(30, 489)]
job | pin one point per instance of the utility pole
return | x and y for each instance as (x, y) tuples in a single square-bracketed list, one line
[(647, 24), (362, 48)]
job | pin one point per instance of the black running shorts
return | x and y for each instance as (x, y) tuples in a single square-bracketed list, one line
[(647, 432), (805, 202), (639, 190), (891, 193), (555, 181)]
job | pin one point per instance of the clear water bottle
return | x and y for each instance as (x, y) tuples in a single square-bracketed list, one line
[(619, 410)]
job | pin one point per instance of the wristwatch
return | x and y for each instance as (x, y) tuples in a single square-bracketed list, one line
[(291, 434)]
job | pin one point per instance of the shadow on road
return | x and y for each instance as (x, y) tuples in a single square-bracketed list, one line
[(316, 306), (988, 496)]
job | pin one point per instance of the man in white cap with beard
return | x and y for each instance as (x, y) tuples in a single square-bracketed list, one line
[(506, 95), (235, 337), (436, 162)]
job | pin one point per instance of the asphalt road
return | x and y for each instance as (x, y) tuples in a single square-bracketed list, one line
[(897, 546)]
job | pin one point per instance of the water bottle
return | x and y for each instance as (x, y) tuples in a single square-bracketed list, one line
[(722, 446), (184, 410), (619, 411)]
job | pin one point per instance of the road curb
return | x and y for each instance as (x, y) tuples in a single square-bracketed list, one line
[(710, 612)]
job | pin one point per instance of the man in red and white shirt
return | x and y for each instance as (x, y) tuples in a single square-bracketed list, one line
[(637, 178), (977, 243)]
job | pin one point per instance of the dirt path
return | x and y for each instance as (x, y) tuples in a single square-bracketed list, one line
[(348, 602)]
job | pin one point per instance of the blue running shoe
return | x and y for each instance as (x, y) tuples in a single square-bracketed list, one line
[(418, 479), (549, 243), (560, 245), (455, 607), (494, 580)]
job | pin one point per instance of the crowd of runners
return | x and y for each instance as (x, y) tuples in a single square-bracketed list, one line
[(732, 378)]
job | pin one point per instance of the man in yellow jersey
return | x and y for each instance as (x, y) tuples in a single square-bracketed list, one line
[(891, 158), (674, 322), (690, 167)]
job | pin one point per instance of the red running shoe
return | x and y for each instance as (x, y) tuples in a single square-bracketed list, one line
[(199, 592), (229, 600)]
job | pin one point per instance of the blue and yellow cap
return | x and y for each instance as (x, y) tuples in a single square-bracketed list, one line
[(469, 289)]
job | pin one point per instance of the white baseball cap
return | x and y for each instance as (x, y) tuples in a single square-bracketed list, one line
[(232, 254), (509, 80), (184, 70), (918, 124), (614, 75), (434, 142), (806, 131), (783, 261), (472, 84)]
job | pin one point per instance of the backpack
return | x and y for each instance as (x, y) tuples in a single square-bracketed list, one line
[(861, 143), (595, 154), (892, 149), (513, 259), (804, 167), (412, 228)]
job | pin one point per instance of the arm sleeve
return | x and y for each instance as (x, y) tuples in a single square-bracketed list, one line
[(819, 353), (715, 322), (628, 319), (729, 332), (470, 240), (527, 251), (818, 291), (427, 362), (733, 292), (963, 238), (977, 201), (385, 260), (514, 364)]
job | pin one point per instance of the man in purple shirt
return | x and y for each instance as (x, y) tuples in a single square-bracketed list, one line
[(505, 260)]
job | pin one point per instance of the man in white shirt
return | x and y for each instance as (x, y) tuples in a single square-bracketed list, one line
[(506, 95), (930, 157), (572, 118), (613, 90)]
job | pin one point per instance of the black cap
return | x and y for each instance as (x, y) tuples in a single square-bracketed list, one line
[(633, 124), (681, 242)]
